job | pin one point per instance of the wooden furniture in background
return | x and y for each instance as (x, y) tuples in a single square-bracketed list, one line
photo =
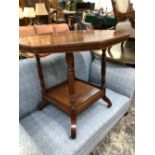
[(31, 3), (125, 15), (126, 55), (124, 11), (74, 95), (70, 17), (54, 4)]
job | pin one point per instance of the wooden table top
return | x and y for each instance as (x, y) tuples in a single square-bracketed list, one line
[(71, 41)]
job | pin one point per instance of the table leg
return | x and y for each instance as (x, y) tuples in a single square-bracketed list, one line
[(70, 70), (109, 51), (122, 46), (103, 72), (42, 84)]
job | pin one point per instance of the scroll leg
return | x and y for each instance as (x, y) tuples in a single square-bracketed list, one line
[(106, 99), (103, 73), (73, 126)]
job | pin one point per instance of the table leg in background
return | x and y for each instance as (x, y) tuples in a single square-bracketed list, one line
[(103, 73)]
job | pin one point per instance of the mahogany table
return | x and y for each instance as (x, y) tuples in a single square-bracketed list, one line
[(68, 96)]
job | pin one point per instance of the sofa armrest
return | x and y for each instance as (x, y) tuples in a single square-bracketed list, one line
[(119, 77), (26, 144)]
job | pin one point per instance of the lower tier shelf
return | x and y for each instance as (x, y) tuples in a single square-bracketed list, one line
[(85, 95)]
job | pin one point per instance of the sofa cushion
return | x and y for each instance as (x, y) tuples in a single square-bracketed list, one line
[(29, 88), (26, 31), (27, 145), (60, 27), (41, 29), (50, 128)]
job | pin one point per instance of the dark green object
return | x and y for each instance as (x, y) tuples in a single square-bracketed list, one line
[(101, 21)]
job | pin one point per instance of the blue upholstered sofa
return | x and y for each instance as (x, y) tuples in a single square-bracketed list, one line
[(47, 131)]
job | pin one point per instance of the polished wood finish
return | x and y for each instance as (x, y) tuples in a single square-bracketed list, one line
[(80, 99), (68, 96), (71, 81), (74, 42)]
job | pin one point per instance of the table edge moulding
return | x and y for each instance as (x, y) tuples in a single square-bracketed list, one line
[(68, 96)]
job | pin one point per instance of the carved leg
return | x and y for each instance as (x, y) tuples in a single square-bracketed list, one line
[(122, 48), (42, 84), (70, 70), (103, 72)]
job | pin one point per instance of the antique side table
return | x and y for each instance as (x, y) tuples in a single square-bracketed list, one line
[(68, 96)]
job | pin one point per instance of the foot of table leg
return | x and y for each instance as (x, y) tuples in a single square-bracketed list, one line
[(42, 104), (73, 127), (126, 113), (107, 100), (103, 73)]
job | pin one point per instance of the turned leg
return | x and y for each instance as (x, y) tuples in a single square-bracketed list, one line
[(70, 70), (42, 84), (103, 72)]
